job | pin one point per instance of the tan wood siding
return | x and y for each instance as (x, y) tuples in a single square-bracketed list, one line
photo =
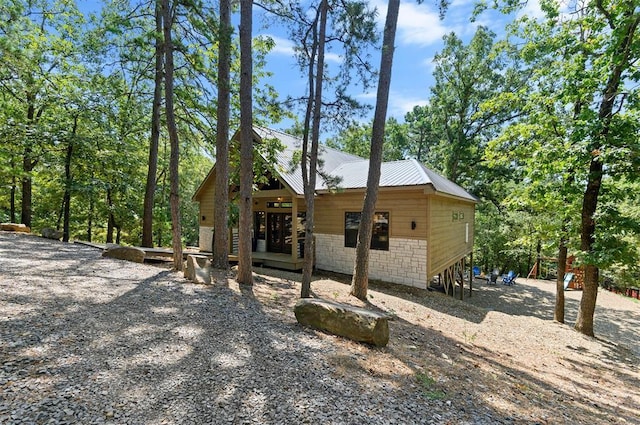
[(446, 223), (207, 196), (451, 232), (403, 207)]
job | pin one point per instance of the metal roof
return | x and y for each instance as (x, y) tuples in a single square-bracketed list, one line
[(353, 170)]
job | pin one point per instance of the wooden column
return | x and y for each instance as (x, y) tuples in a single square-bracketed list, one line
[(294, 228), (470, 274), (462, 278)]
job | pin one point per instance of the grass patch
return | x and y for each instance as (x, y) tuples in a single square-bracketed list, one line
[(427, 383)]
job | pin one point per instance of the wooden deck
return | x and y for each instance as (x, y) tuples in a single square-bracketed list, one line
[(268, 259), (149, 252), (279, 261)]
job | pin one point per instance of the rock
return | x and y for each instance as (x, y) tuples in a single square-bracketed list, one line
[(128, 253), (50, 233), (355, 323), (198, 269), (14, 227)]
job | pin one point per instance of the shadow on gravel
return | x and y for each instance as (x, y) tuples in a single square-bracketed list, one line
[(79, 345), (432, 299), (472, 372), (610, 324), (522, 299)]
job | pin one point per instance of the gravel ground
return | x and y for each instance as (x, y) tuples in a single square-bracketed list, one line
[(91, 340)]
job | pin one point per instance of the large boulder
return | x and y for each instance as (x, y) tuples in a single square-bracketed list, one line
[(198, 269), (14, 227), (50, 233), (351, 322), (128, 253)]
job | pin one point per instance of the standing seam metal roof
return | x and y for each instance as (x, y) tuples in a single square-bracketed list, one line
[(353, 170)]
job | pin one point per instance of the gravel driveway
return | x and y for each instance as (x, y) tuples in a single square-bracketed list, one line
[(85, 339), (91, 340)]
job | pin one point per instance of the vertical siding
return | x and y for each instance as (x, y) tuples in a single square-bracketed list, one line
[(445, 223), (206, 203), (404, 207), (448, 238)]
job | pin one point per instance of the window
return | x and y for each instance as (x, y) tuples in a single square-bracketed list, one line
[(380, 233), (279, 204)]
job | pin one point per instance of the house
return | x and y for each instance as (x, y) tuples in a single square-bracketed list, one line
[(424, 223)]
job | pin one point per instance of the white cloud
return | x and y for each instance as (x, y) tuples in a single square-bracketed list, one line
[(532, 10), (400, 104), (418, 24), (462, 3), (370, 95), (282, 46), (428, 65), (332, 57)]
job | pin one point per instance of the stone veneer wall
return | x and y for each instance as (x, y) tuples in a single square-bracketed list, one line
[(404, 263), (205, 238)]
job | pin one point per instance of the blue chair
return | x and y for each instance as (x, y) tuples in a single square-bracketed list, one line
[(476, 271), (509, 278)]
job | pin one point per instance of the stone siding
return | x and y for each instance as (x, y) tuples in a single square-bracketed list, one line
[(205, 239), (404, 263)]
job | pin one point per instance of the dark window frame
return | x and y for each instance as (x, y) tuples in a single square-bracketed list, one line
[(380, 231)]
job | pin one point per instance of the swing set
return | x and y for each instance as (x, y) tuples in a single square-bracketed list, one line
[(549, 270)]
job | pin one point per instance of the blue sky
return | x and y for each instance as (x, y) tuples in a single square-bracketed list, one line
[(418, 39)]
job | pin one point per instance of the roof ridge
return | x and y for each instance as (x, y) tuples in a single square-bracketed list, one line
[(300, 139), (275, 131), (422, 169), (397, 160)]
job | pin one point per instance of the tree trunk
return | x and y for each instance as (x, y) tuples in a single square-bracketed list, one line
[(163, 197), (360, 281), (625, 29), (245, 274), (68, 182), (304, 165), (538, 250), (174, 156), (12, 206), (558, 313), (111, 220), (27, 167), (90, 216), (150, 188), (310, 187), (584, 322), (221, 213), (66, 200)]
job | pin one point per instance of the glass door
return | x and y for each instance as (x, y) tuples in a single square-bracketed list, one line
[(279, 232)]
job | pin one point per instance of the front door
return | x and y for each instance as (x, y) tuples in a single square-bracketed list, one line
[(279, 232)]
